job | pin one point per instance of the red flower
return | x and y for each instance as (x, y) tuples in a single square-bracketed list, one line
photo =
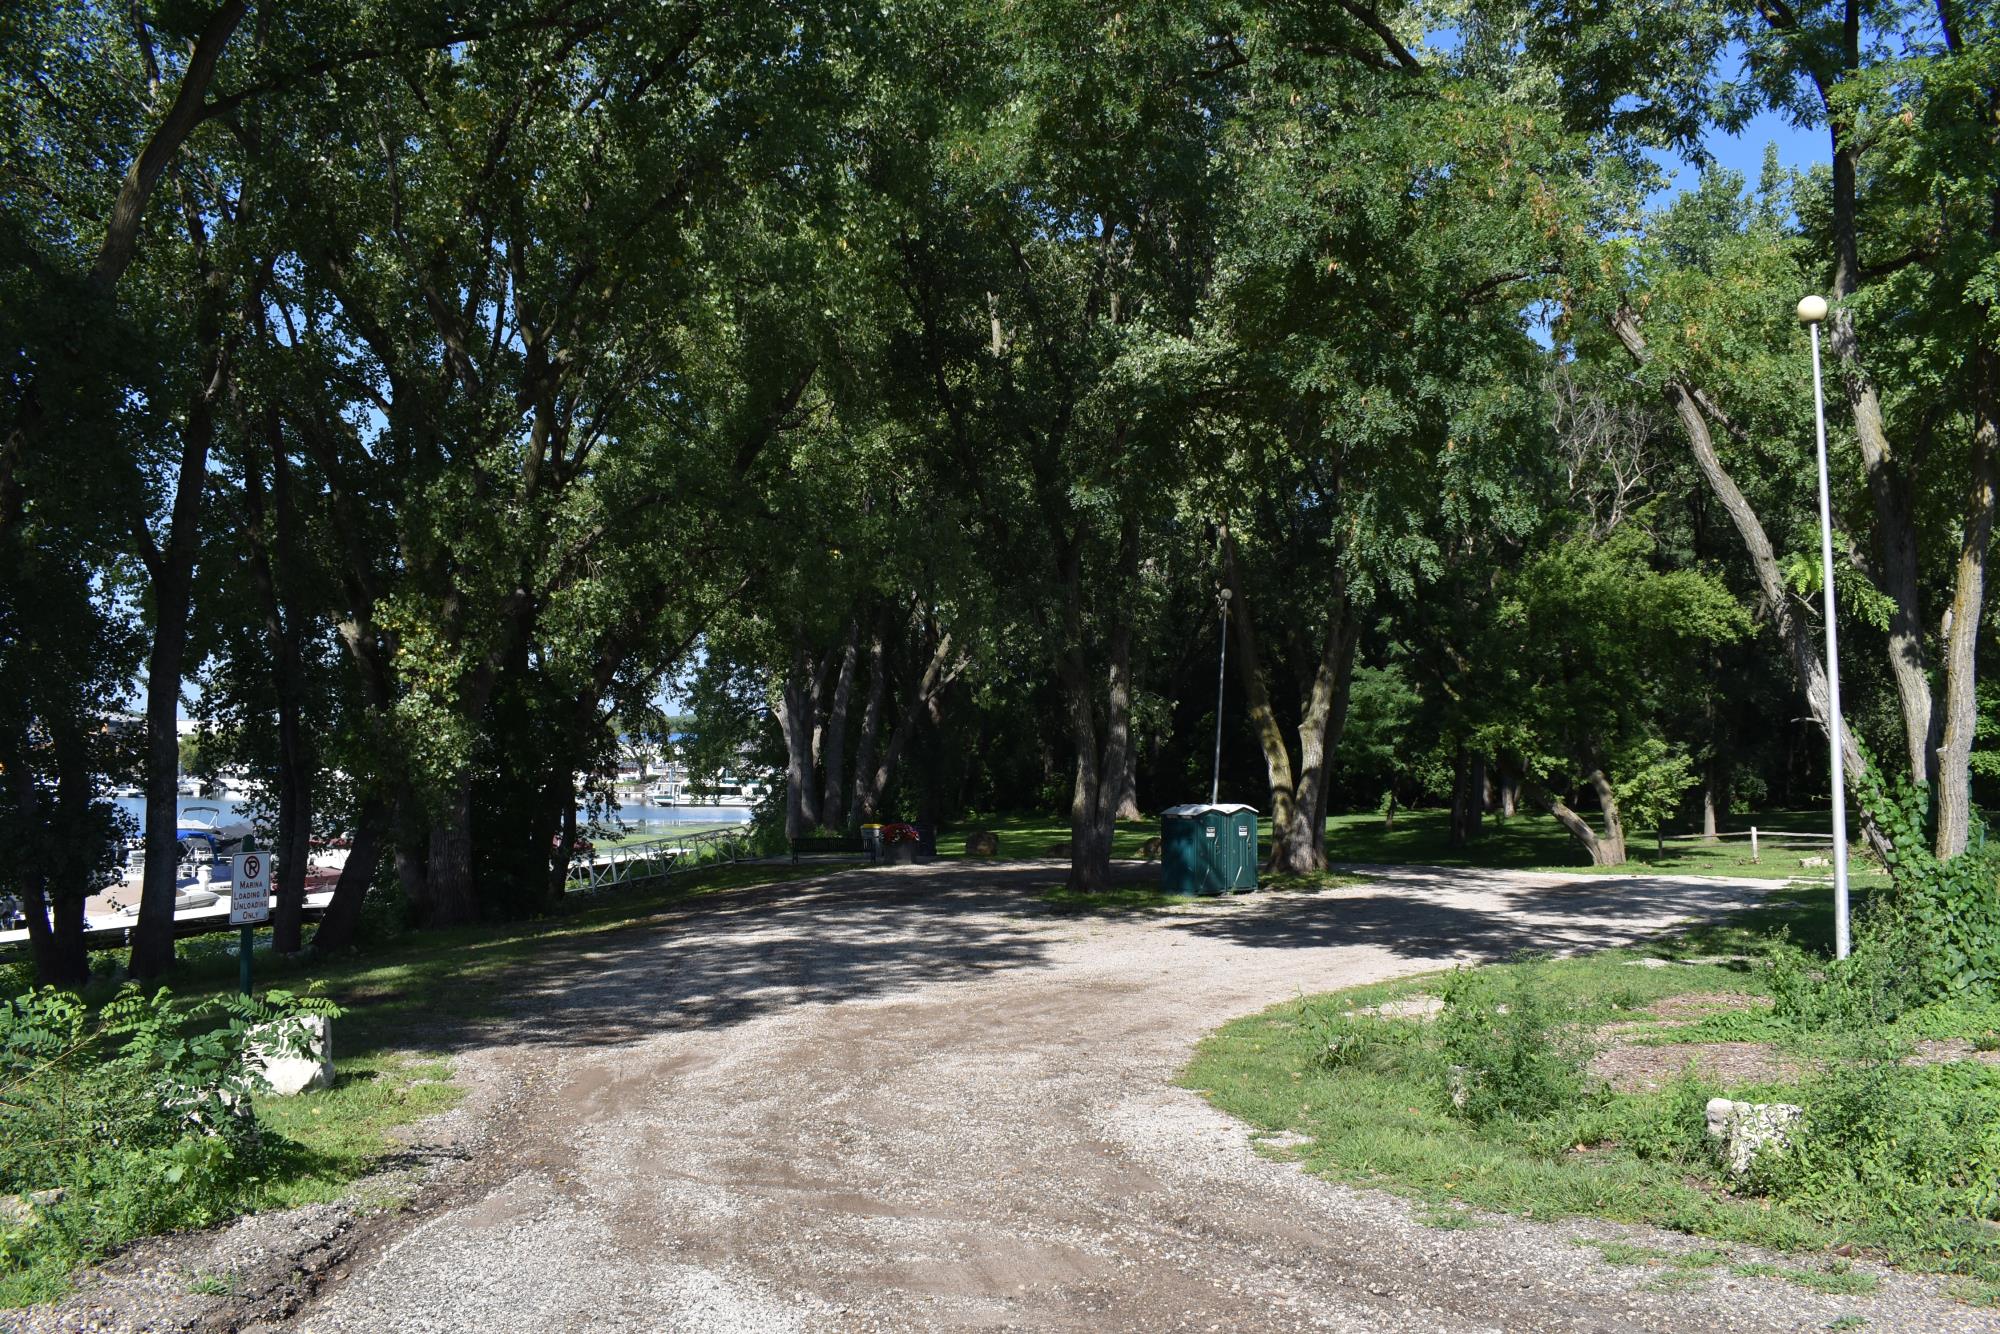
[(899, 833)]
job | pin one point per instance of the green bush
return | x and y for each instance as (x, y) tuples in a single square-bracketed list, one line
[(131, 1119), (1935, 935), (1672, 1126), (1506, 1050), (1916, 1145)]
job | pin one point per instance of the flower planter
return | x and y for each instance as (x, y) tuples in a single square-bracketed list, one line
[(899, 854)]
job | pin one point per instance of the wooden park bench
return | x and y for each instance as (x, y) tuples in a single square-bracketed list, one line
[(849, 845)]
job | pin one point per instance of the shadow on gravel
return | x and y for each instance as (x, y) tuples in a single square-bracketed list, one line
[(1584, 914), (730, 958)]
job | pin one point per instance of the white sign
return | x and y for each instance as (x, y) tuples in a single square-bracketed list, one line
[(250, 895)]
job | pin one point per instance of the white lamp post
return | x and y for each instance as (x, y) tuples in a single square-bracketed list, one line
[(1221, 675), (1812, 312)]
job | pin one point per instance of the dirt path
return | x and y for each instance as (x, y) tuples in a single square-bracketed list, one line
[(910, 1099)]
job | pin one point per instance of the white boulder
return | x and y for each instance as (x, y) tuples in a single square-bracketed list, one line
[(1746, 1129), (292, 1054)]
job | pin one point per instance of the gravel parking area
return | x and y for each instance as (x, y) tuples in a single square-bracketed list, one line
[(911, 1098)]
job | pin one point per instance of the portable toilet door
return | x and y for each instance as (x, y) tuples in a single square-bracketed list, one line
[(1241, 862), (1180, 851)]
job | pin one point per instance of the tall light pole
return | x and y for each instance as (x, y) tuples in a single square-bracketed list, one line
[(1812, 312), (1221, 676)]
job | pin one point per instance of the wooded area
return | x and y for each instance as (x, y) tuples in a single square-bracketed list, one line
[(418, 389)]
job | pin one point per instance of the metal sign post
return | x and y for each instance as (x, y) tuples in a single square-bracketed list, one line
[(1221, 679), (1812, 311), (249, 903)]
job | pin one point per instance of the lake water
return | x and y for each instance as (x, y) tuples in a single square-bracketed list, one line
[(631, 812)]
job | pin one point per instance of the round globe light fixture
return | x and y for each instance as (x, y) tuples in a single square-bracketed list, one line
[(1812, 309)]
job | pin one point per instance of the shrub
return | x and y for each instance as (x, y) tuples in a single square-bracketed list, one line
[(1913, 1144), (129, 1120), (1506, 1050), (1672, 1127)]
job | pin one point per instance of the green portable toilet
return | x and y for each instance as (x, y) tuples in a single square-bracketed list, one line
[(1208, 849)]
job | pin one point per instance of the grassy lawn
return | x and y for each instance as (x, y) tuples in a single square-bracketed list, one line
[(1028, 837), (1366, 1096), (1533, 840), (1530, 841), (652, 833), (407, 1002)]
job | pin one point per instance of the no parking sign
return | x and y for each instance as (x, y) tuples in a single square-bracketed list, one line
[(250, 894)]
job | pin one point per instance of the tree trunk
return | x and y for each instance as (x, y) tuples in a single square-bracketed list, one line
[(1475, 795), (1117, 735), (412, 849), (561, 790), (1611, 846), (1510, 788), (1127, 805), (1089, 854), (861, 806), (55, 920), (833, 752), (453, 899), (171, 571), (1968, 604), (1690, 405), (1298, 796), (1468, 804), (1601, 853), (268, 533), (796, 722), (343, 913), (922, 696), (1888, 486)]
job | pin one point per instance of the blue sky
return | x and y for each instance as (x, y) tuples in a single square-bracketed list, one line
[(1798, 149)]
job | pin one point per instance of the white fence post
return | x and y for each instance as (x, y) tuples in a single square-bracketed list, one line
[(1753, 844)]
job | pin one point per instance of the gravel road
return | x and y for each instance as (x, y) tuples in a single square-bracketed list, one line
[(912, 1099), (908, 1099)]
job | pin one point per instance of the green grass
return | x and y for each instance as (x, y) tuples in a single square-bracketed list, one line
[(1367, 1095), (1032, 837), (653, 833), (1530, 840), (1837, 1279), (1533, 840)]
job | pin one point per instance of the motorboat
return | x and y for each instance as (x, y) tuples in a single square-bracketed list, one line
[(205, 828)]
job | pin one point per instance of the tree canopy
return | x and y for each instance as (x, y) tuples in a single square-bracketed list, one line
[(421, 393)]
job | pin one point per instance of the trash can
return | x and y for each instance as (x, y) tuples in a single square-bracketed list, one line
[(1208, 849), (871, 838)]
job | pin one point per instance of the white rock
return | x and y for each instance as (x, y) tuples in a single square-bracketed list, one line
[(1815, 863), (1746, 1129), (292, 1055)]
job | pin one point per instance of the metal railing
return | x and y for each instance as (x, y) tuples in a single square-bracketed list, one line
[(653, 858)]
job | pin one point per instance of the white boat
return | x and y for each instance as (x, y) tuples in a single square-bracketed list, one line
[(205, 828), (127, 790)]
